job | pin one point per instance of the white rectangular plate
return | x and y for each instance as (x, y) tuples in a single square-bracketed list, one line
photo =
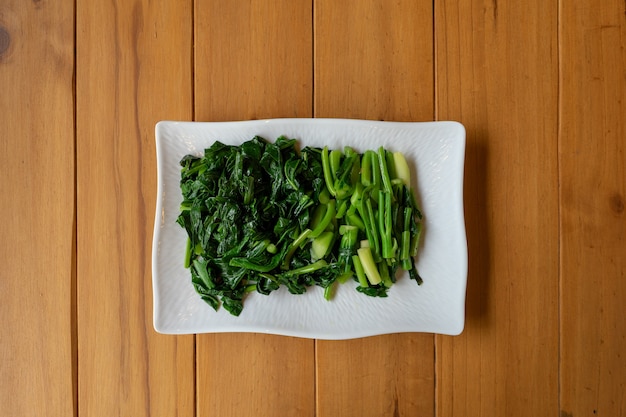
[(436, 154)]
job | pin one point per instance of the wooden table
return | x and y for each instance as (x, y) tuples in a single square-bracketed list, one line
[(539, 85)]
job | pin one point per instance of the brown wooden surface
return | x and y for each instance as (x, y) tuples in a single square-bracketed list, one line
[(37, 209), (540, 88), (593, 222), (501, 80), (133, 68)]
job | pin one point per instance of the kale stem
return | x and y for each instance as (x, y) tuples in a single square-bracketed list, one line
[(366, 169), (383, 270), (355, 220), (415, 239), (384, 173), (404, 254), (328, 216), (328, 177), (341, 210), (384, 223), (335, 162), (402, 168), (373, 231), (294, 246), (329, 291), (321, 245), (187, 263), (376, 180), (358, 270), (306, 269), (369, 266), (347, 245), (405, 246), (343, 278)]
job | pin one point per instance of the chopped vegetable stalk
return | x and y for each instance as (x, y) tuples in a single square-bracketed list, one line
[(369, 266), (359, 271), (294, 246), (324, 196), (402, 168), (328, 176), (384, 173), (347, 174), (329, 291), (318, 215), (391, 165), (187, 262), (307, 268), (372, 231), (383, 270), (355, 220), (341, 210), (384, 224), (321, 245), (335, 161), (366, 170), (343, 278), (347, 246), (329, 214), (404, 254), (415, 239), (405, 247)]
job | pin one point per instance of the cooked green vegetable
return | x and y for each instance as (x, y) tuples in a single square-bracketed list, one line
[(262, 215)]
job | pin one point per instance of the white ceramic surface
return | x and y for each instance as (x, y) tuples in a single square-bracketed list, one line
[(435, 152)]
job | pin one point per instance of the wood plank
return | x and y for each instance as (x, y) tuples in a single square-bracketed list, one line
[(134, 68), (37, 208), (253, 61), (593, 223), (497, 73), (374, 60)]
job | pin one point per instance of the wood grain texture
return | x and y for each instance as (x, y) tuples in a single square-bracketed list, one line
[(134, 68), (390, 375), (37, 209), (374, 60), (540, 87), (248, 374), (253, 60), (593, 221), (497, 72)]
